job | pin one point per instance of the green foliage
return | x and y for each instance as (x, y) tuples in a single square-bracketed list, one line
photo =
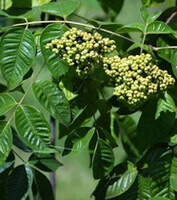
[(151, 2), (16, 55), (53, 100), (112, 8), (103, 159), (6, 102), (32, 128), (61, 9), (57, 66), (5, 141), (17, 190), (121, 185), (44, 84)]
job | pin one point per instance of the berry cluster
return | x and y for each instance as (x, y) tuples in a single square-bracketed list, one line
[(82, 49), (136, 78)]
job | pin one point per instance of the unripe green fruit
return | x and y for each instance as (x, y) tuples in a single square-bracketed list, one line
[(82, 49), (136, 78)]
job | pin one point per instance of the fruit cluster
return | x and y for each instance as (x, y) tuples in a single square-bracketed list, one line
[(136, 78), (82, 49)]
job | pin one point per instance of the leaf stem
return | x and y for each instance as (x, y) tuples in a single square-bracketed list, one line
[(167, 47), (75, 23), (144, 38)]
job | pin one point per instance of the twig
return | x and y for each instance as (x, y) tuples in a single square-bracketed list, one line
[(167, 47), (75, 23), (172, 16)]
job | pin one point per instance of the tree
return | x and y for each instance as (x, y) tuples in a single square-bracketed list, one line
[(95, 77)]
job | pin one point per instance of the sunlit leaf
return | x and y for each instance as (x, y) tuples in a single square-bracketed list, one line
[(165, 103), (56, 65), (17, 51), (135, 27), (149, 3), (122, 184), (6, 103), (158, 27), (33, 128), (53, 100)]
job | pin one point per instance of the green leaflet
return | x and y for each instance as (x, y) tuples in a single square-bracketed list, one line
[(123, 183), (6, 103), (5, 141), (165, 103), (78, 139), (17, 51), (135, 27), (128, 132), (33, 128), (61, 9), (19, 183), (151, 130), (43, 187), (149, 3), (103, 159), (56, 65), (111, 7), (45, 162), (158, 27), (54, 100)]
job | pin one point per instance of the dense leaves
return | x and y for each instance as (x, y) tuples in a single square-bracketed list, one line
[(153, 130), (133, 150)]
